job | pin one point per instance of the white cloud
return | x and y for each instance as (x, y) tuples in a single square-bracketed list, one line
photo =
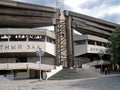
[(76, 3), (118, 20), (99, 9), (102, 11)]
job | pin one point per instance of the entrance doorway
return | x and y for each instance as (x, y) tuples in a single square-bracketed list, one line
[(35, 74)]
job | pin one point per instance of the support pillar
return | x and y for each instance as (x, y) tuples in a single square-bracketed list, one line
[(69, 41), (56, 28), (56, 42)]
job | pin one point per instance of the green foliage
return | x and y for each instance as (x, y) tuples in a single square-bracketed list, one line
[(115, 45)]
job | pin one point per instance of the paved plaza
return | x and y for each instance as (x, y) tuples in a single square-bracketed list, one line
[(110, 82)]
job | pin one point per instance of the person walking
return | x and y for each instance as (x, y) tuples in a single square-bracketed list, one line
[(106, 70), (45, 75)]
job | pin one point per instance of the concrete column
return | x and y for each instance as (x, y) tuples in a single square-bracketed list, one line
[(56, 42), (56, 28), (86, 42), (95, 43), (45, 38), (8, 37), (69, 41), (28, 72), (27, 36)]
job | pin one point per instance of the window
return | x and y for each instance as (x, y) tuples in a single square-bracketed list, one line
[(81, 42), (18, 38), (91, 42), (3, 37), (36, 38), (99, 43), (50, 40)]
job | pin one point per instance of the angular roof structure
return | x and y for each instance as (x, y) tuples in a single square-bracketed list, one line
[(24, 15), (90, 25)]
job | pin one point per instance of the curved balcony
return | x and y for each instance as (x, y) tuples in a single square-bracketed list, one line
[(18, 66), (28, 46), (83, 49)]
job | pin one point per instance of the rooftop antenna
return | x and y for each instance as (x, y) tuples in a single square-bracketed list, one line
[(60, 4)]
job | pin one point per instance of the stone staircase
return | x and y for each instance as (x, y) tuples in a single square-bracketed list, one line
[(74, 74)]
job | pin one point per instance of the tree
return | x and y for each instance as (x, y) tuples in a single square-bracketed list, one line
[(115, 45)]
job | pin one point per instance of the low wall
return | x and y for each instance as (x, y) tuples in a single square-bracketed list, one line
[(54, 71)]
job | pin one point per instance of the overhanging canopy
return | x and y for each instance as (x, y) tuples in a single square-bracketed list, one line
[(90, 25), (24, 15)]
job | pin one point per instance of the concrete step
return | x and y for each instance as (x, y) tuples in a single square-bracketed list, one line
[(74, 74)]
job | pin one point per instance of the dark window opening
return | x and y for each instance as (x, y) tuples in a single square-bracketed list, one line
[(81, 42), (50, 40), (3, 37), (36, 38), (21, 59), (91, 42), (18, 38), (99, 43)]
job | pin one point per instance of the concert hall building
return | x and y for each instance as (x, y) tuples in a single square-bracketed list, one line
[(18, 51)]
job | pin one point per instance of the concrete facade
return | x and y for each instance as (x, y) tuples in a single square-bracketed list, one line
[(18, 47), (88, 47)]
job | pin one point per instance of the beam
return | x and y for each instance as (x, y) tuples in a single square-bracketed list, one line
[(87, 28), (84, 31), (15, 4), (92, 24), (89, 18), (13, 21), (23, 15), (22, 12)]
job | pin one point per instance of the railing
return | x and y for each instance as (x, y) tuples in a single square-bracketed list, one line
[(83, 49), (91, 64), (80, 49), (22, 46), (95, 63), (86, 66), (15, 66), (43, 66), (54, 71)]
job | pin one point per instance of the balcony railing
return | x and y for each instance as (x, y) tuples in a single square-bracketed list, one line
[(83, 49), (17, 66)]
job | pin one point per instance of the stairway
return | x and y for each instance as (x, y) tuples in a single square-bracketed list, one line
[(74, 74)]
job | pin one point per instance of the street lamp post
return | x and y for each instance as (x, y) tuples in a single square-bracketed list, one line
[(101, 53), (39, 53)]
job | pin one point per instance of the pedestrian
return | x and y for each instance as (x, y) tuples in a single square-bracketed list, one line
[(45, 75), (117, 67), (106, 71)]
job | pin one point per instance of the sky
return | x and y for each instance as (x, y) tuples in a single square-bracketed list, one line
[(104, 9)]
